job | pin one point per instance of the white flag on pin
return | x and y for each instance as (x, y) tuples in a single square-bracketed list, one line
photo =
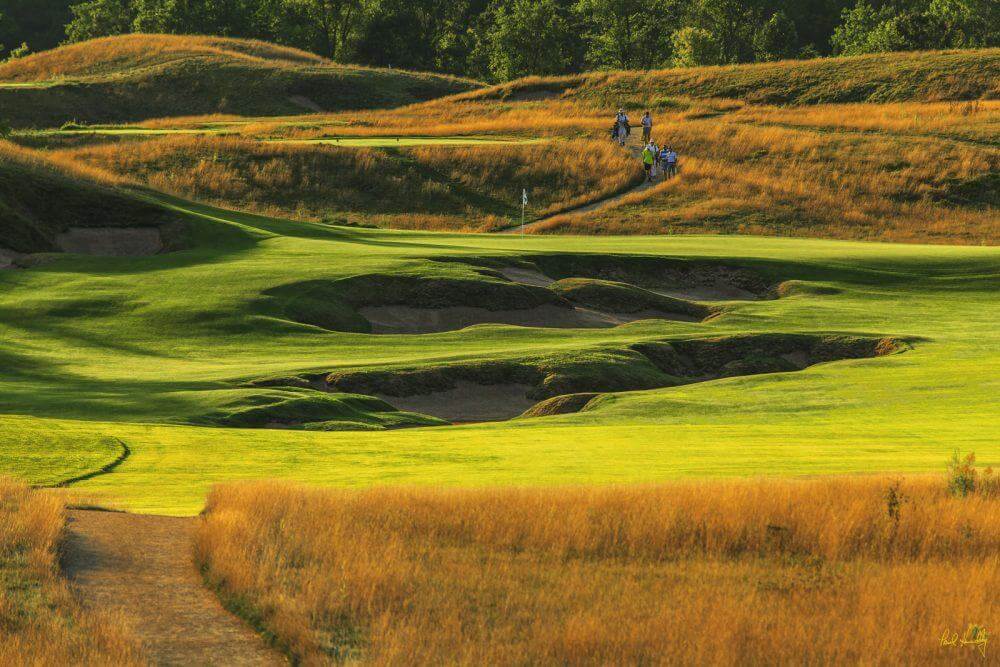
[(524, 197)]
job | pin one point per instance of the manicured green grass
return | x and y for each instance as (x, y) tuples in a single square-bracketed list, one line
[(139, 349)]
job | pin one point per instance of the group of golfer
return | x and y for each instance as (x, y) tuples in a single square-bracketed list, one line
[(655, 159)]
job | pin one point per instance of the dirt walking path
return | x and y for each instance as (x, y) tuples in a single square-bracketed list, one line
[(142, 567), (600, 204)]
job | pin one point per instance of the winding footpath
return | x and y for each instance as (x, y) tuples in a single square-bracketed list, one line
[(142, 567), (599, 205)]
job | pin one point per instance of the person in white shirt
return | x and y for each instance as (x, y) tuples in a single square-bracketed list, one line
[(671, 167), (647, 127), (621, 122)]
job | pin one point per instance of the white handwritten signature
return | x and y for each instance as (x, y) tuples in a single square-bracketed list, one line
[(974, 636)]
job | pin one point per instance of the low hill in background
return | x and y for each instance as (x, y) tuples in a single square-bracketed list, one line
[(136, 77), (926, 76)]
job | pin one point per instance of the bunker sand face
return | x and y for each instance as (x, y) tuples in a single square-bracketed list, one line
[(469, 402), (111, 241), (407, 320)]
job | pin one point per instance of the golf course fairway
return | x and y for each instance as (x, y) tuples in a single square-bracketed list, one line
[(118, 366)]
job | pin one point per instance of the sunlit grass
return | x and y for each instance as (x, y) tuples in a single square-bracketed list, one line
[(839, 571)]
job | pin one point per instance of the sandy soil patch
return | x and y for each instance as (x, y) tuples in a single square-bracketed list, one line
[(468, 402), (407, 320), (111, 241)]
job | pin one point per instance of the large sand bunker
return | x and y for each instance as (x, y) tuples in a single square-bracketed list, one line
[(407, 320), (698, 280), (468, 402), (415, 304), (111, 241), (496, 390)]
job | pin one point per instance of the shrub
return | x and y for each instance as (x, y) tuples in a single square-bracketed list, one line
[(962, 474)]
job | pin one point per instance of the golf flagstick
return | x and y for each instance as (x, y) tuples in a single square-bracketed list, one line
[(524, 203)]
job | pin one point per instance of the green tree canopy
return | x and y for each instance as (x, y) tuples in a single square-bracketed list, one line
[(528, 37)]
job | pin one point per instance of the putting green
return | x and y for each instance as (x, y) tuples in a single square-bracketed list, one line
[(138, 349)]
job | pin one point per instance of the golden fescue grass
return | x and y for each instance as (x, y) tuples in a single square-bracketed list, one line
[(917, 76), (764, 572), (976, 120), (40, 621), (433, 187), (61, 163), (123, 52), (893, 179)]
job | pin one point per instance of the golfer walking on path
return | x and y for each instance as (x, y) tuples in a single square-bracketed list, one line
[(621, 127), (647, 127), (648, 158)]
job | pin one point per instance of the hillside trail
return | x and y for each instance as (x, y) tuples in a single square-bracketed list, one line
[(599, 205), (142, 567)]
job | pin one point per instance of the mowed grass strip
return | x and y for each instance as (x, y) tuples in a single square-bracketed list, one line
[(832, 571)]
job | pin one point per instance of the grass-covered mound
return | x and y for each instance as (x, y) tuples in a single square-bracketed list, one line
[(135, 77), (927, 76), (41, 201), (430, 187), (833, 148), (312, 410)]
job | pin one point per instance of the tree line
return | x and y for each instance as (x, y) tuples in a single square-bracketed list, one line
[(498, 40)]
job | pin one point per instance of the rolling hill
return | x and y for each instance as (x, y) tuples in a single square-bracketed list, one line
[(924, 76), (834, 148), (136, 77)]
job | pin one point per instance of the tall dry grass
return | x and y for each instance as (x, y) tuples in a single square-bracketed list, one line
[(868, 571), (40, 621), (432, 187), (881, 176), (61, 163), (123, 52)]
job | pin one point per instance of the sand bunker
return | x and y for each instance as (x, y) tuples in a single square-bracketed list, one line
[(695, 283), (407, 320), (526, 276), (499, 390), (111, 241), (468, 402), (717, 292)]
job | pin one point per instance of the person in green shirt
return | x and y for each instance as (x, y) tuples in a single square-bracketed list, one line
[(648, 158)]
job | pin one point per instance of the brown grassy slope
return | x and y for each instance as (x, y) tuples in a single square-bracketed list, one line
[(885, 77), (120, 54), (916, 174), (135, 77), (40, 621), (428, 187), (769, 572)]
